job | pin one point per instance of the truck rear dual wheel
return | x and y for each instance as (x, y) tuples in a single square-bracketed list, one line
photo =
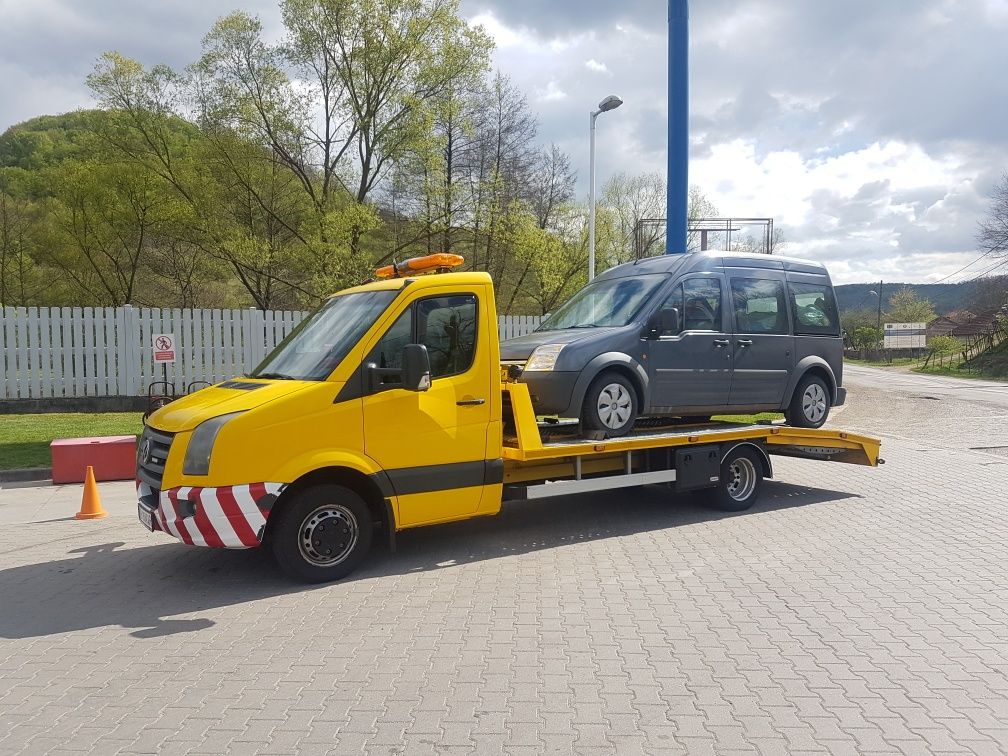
[(322, 534), (741, 480)]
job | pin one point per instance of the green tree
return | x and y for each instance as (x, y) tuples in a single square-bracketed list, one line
[(906, 307), (369, 74), (865, 337)]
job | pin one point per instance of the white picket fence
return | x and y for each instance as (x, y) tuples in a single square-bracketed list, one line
[(93, 351)]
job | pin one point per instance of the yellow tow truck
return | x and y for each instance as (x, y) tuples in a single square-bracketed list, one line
[(387, 409)]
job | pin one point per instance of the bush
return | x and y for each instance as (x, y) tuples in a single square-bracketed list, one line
[(945, 345)]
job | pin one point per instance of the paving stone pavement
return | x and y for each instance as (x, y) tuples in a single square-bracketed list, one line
[(852, 610)]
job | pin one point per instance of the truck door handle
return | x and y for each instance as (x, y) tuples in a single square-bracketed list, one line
[(721, 342), (744, 342), (470, 402)]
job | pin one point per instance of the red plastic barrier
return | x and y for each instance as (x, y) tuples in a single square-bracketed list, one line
[(112, 457)]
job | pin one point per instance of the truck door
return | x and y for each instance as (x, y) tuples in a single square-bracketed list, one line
[(691, 370), (432, 444), (762, 345)]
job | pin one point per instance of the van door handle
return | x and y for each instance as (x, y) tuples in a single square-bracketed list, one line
[(470, 402), (722, 342), (744, 342)]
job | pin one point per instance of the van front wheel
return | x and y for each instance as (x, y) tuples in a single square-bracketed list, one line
[(810, 404), (610, 405), (322, 534)]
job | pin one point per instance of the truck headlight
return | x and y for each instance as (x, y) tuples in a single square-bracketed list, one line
[(197, 457), (544, 357)]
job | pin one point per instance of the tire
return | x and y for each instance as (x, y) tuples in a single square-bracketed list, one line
[(741, 480), (810, 404), (330, 554), (610, 405)]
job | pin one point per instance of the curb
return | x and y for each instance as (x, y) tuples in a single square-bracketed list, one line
[(30, 474)]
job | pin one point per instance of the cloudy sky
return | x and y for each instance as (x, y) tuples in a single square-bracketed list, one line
[(872, 132)]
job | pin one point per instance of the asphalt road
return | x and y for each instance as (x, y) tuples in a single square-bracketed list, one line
[(994, 393)]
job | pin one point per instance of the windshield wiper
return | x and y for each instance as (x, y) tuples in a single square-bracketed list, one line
[(584, 325), (276, 376)]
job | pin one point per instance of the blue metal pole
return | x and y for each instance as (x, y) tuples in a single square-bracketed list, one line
[(678, 127)]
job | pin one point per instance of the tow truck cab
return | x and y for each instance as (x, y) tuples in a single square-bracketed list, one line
[(332, 405)]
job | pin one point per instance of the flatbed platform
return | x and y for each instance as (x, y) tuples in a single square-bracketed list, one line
[(527, 443)]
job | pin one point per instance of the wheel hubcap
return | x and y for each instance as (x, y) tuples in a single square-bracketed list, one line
[(328, 535), (814, 403), (614, 406), (741, 478)]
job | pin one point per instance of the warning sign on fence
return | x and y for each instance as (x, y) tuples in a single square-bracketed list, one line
[(164, 347)]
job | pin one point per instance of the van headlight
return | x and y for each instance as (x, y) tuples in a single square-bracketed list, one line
[(544, 357), (197, 456)]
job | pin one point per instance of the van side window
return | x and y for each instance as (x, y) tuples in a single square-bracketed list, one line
[(814, 310), (445, 325), (759, 306), (699, 303)]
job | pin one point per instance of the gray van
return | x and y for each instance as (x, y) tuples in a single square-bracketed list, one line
[(688, 336)]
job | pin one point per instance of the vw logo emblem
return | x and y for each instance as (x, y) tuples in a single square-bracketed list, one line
[(145, 451)]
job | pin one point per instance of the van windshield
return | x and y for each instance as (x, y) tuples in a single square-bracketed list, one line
[(321, 341), (613, 302)]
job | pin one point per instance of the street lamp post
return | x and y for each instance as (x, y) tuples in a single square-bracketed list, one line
[(609, 103)]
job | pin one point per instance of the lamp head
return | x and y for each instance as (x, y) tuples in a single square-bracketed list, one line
[(610, 103)]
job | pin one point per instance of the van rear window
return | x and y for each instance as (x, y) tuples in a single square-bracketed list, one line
[(814, 309)]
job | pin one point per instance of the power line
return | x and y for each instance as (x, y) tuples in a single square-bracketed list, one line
[(964, 267), (986, 272)]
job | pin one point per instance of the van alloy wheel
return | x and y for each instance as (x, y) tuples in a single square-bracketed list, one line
[(814, 403), (614, 406)]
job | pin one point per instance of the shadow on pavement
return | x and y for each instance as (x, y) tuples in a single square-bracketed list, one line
[(137, 588)]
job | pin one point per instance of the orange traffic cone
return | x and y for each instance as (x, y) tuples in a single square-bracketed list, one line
[(91, 508)]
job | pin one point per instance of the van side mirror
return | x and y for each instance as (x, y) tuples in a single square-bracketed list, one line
[(416, 368), (665, 320)]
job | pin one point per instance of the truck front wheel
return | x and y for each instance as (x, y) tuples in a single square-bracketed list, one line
[(322, 534)]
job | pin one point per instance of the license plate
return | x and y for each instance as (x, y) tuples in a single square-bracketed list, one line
[(146, 517)]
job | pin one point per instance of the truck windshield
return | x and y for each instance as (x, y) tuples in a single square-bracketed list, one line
[(613, 302), (321, 341)]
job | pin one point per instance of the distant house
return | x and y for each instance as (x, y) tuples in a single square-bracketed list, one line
[(941, 326), (981, 323)]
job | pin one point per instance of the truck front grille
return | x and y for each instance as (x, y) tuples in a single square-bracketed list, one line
[(152, 453)]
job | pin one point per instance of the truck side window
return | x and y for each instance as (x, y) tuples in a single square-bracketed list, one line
[(447, 326), (389, 351), (814, 310), (759, 306)]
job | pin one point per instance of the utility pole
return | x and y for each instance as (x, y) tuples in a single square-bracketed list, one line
[(677, 201), (878, 319)]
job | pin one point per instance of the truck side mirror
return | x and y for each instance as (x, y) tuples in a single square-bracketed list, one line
[(416, 368)]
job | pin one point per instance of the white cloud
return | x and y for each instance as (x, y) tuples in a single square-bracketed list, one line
[(593, 65), (550, 93)]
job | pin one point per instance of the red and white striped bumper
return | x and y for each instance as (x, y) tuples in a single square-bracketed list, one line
[(231, 517)]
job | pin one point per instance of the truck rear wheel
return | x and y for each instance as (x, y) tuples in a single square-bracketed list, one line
[(322, 534), (741, 480)]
